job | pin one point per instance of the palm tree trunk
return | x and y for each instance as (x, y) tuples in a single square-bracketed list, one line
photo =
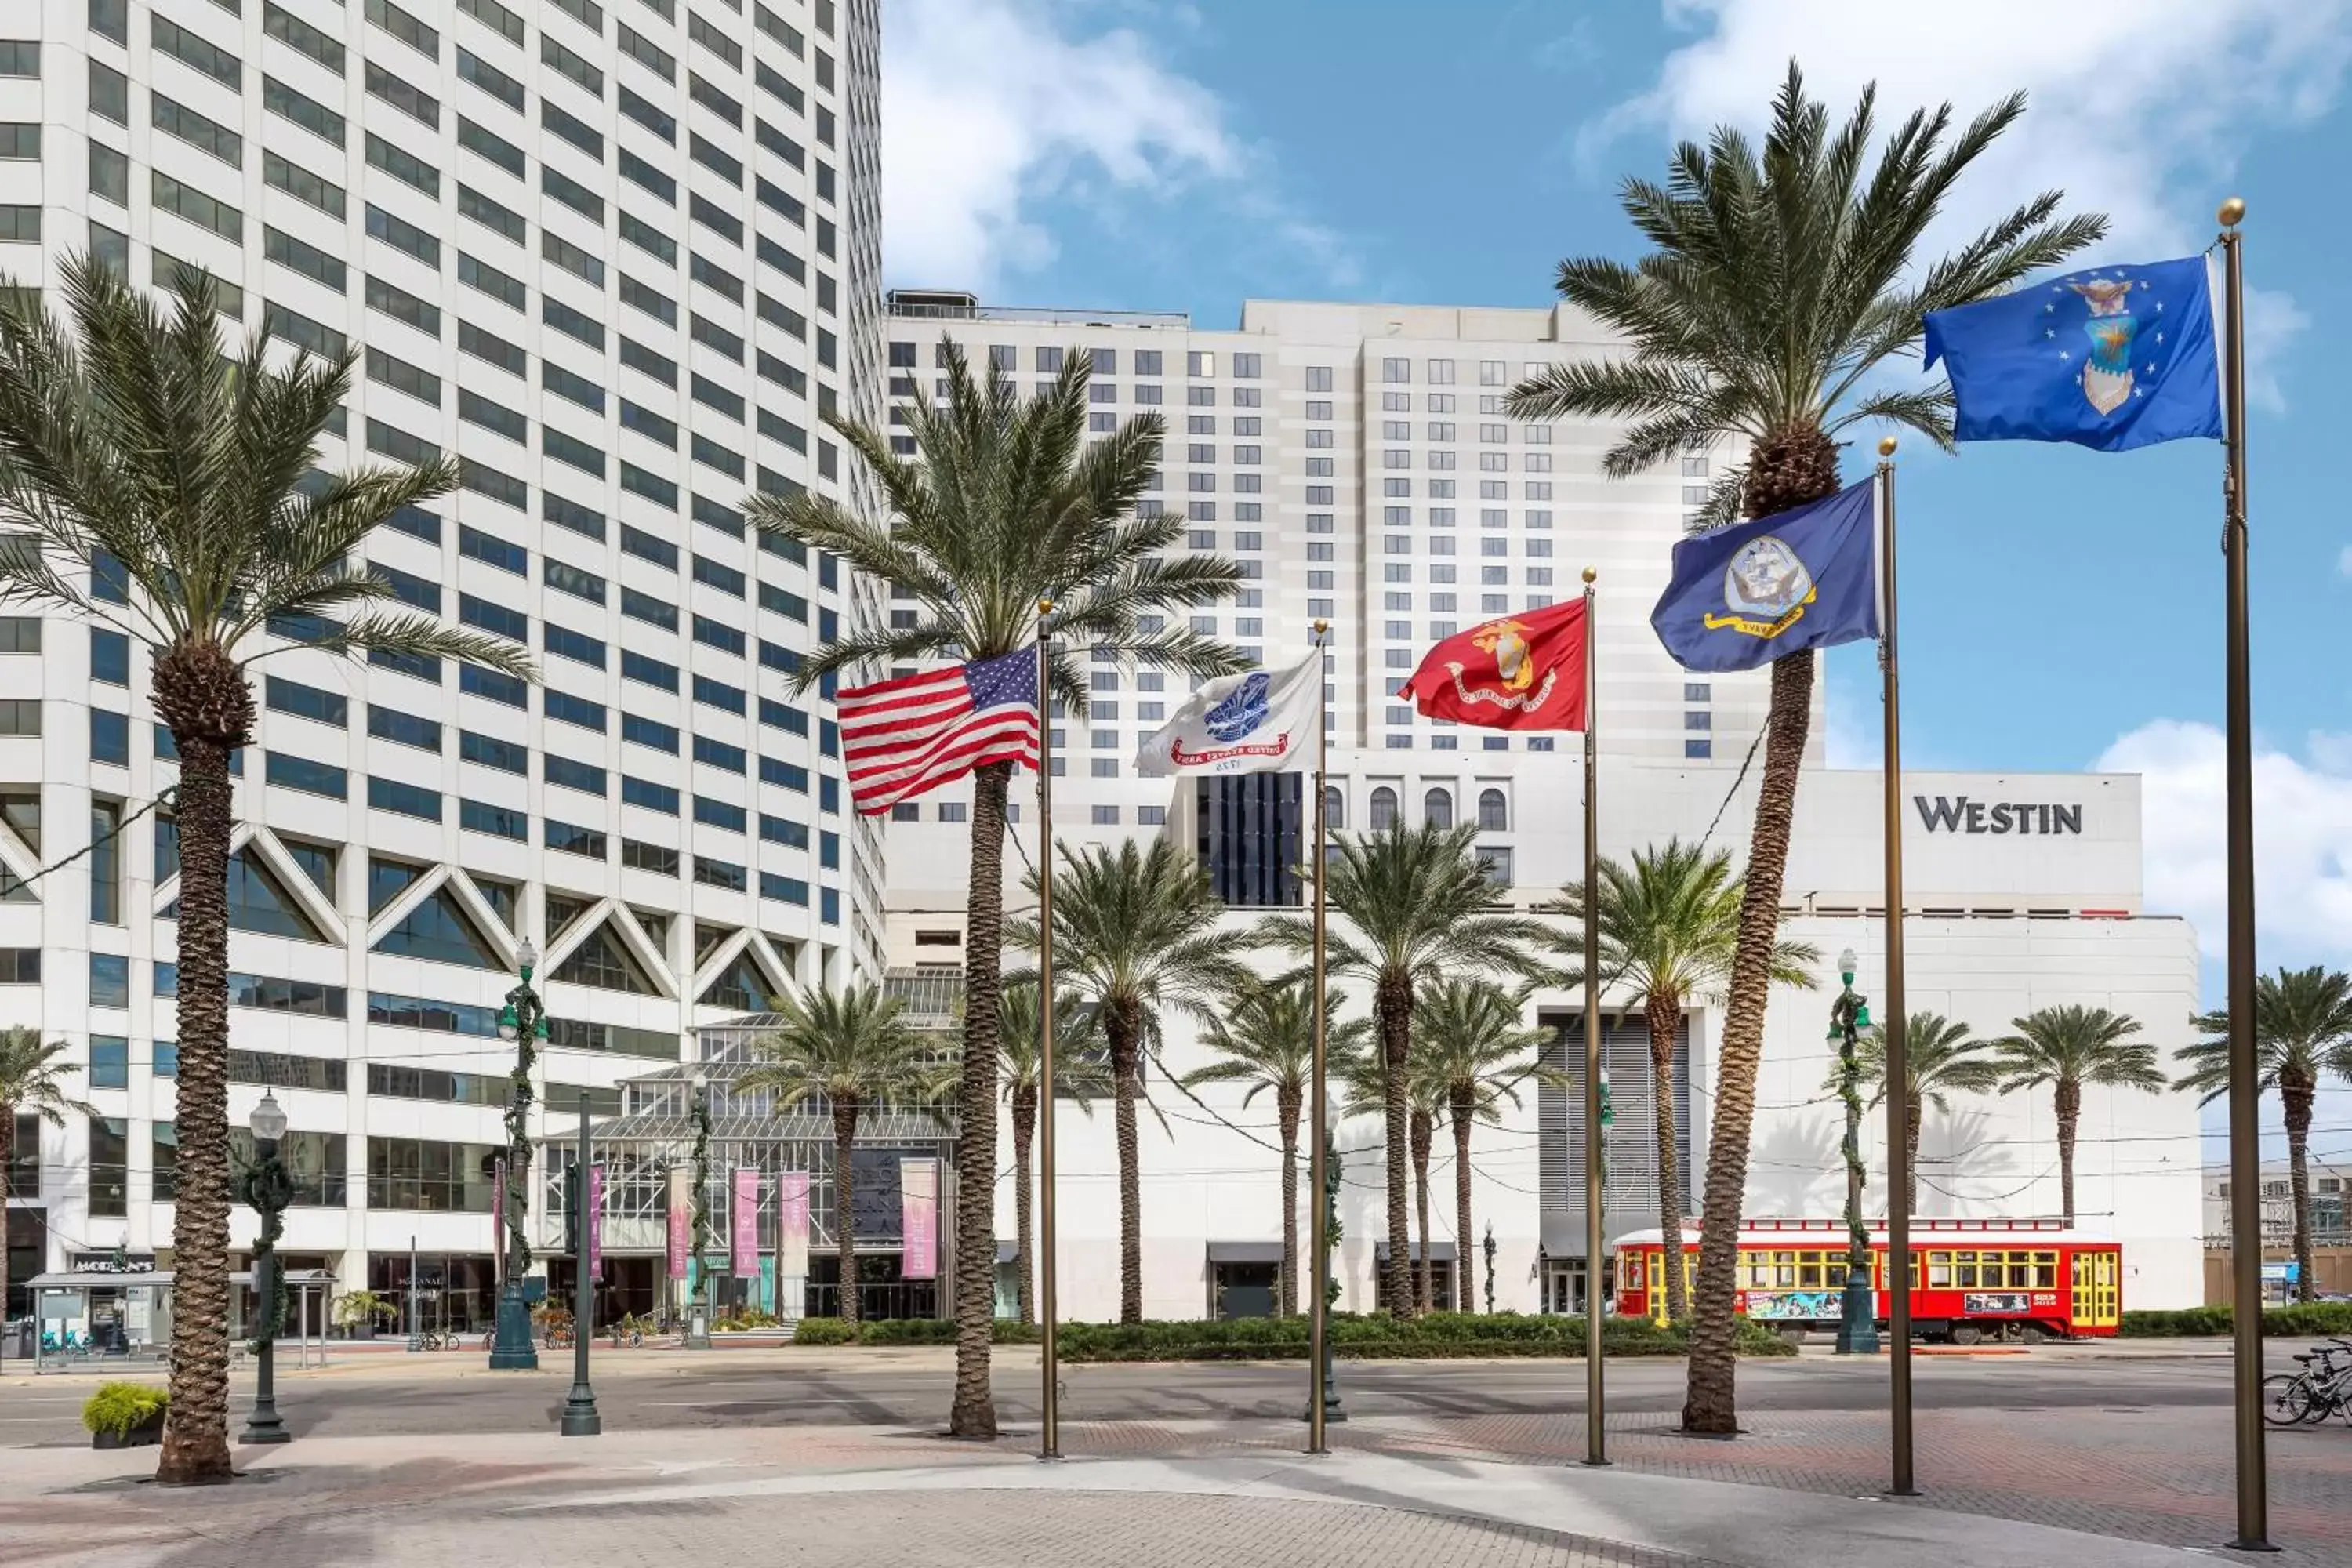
[(2295, 1092), (1786, 468), (1663, 1013), (1911, 1120), (1025, 1133), (7, 1153), (1394, 1003), (1288, 1107), (2070, 1115), (1123, 1031), (195, 1434), (1463, 1109), (973, 1413), (844, 1205), (1425, 1133)]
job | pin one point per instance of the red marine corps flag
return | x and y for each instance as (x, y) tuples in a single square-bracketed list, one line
[(1517, 672)]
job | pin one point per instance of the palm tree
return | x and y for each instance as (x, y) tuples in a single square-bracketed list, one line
[(1136, 930), (851, 1051), (1778, 287), (1476, 1052), (1077, 1075), (1008, 502), (1669, 932), (1412, 904), (2068, 1047), (32, 1080), (1265, 1039), (153, 482), (1943, 1056), (2303, 1031)]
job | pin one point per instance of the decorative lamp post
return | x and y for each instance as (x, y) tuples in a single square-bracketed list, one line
[(523, 1020), (266, 1190), (698, 1331), (1490, 1267), (1858, 1313), (1332, 1409)]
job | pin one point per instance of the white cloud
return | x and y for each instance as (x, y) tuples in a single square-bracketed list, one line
[(2138, 107), (2303, 838), (989, 108)]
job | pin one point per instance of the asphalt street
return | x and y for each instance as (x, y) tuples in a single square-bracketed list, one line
[(656, 1391)]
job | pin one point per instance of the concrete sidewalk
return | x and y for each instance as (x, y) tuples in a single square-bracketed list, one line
[(897, 1497)]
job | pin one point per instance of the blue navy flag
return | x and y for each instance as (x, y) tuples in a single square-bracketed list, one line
[(2113, 358), (1745, 594)]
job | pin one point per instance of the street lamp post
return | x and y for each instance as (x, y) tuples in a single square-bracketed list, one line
[(1332, 1409), (1858, 1313), (1490, 1267), (267, 1189), (523, 1020), (697, 1336)]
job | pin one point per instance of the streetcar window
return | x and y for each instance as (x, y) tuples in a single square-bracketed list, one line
[(1965, 1270), (1755, 1271), (2045, 1272), (1833, 1273), (1939, 1271), (1809, 1272), (1632, 1271), (1784, 1270), (2020, 1271)]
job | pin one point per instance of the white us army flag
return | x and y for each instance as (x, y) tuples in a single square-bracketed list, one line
[(1261, 722)]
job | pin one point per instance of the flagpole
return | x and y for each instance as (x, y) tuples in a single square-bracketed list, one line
[(1049, 1430), (1895, 1025), (2245, 1092), (1596, 1295), (1318, 1387)]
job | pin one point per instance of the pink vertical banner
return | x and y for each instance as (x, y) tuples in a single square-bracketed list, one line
[(681, 1222), (745, 1263), (918, 1215), (596, 1222), (792, 1224)]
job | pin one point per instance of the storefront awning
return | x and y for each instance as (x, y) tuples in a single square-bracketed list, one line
[(1244, 1252), (1441, 1252)]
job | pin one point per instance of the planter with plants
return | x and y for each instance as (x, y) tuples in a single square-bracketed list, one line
[(126, 1415), (357, 1312)]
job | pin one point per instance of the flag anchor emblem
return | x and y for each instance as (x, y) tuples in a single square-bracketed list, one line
[(1765, 589)]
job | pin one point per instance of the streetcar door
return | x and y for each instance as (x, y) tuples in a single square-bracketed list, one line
[(2106, 1289)]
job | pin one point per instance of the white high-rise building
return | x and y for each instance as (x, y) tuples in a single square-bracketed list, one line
[(618, 259)]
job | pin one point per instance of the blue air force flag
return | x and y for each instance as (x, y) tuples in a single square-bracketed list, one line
[(1745, 594), (2113, 358), (1260, 722)]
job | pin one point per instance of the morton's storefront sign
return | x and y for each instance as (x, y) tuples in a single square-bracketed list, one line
[(1949, 814)]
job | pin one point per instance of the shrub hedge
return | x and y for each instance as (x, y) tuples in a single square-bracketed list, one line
[(2301, 1320), (116, 1408), (1437, 1335)]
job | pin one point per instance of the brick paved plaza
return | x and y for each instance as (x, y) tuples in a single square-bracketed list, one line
[(2122, 1461)]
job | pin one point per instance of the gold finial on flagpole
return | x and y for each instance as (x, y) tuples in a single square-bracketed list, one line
[(2233, 211), (1321, 626), (1044, 606), (1590, 574), (1886, 446)]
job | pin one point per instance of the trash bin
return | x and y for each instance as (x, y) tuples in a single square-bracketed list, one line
[(16, 1339)]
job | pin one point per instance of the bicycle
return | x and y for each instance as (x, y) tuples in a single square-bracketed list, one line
[(559, 1336), (2310, 1396)]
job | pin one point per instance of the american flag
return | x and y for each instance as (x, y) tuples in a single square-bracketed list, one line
[(907, 737)]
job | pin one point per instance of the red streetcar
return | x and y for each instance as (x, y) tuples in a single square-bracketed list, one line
[(1971, 1279)]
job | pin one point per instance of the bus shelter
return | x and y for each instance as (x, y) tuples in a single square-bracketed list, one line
[(98, 1317)]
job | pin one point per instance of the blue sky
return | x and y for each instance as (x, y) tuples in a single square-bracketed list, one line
[(2060, 607)]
